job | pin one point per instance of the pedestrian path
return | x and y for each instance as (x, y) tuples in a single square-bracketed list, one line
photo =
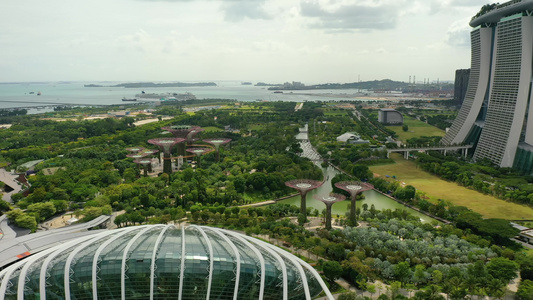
[(9, 179)]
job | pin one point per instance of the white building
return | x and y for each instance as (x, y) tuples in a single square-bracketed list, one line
[(351, 138)]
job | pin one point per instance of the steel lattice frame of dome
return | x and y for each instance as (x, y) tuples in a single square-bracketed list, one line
[(162, 262)]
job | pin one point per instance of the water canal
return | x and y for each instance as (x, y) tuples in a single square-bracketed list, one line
[(340, 208)]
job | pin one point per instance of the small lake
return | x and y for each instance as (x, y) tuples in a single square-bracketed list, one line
[(340, 208)]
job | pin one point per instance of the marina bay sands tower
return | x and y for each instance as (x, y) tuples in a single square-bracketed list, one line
[(497, 106)]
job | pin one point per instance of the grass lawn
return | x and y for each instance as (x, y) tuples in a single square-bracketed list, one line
[(335, 113), (436, 188), (256, 127), (416, 129)]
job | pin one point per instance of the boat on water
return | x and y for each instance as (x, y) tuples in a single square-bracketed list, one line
[(126, 99), (39, 93), (278, 92), (166, 96)]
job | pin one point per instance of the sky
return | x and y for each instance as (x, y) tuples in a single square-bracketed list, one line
[(311, 41)]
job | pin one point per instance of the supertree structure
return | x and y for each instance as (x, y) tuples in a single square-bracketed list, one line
[(217, 143), (192, 134), (146, 163), (303, 186), (198, 152), (180, 131), (136, 155), (166, 144), (329, 200), (354, 188), (151, 152), (135, 149)]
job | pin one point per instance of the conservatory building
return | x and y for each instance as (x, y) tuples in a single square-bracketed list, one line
[(162, 262)]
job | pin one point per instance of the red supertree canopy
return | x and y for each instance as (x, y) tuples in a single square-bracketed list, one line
[(166, 144), (137, 155), (331, 198), (217, 142), (303, 185), (135, 149), (354, 187), (143, 161), (199, 151), (180, 131), (150, 152)]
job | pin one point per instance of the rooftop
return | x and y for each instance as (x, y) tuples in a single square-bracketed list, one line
[(500, 11)]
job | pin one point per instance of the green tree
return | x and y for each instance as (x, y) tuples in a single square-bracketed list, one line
[(436, 276), (60, 205), (12, 215), (332, 270), (525, 290), (432, 292), (4, 206), (129, 175), (27, 221), (42, 211), (402, 272), (502, 268), (348, 296), (496, 288), (419, 276)]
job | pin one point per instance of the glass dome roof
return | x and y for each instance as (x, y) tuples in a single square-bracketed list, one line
[(162, 262)]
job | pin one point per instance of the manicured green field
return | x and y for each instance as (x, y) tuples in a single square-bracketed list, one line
[(335, 112), (212, 129), (256, 127), (416, 129), (436, 188)]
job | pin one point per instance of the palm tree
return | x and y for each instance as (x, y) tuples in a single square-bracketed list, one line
[(471, 284), (455, 288), (496, 288), (433, 293)]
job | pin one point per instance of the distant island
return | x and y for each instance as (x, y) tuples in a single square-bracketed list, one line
[(151, 84), (267, 84), (385, 84)]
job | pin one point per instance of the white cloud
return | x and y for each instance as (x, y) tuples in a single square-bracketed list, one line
[(459, 34), (235, 11), (346, 16), (302, 40)]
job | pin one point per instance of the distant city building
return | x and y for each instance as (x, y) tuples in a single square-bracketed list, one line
[(351, 138), (162, 262), (293, 85), (390, 116), (495, 111), (460, 86)]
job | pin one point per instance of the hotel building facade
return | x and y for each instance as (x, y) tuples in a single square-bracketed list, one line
[(495, 111)]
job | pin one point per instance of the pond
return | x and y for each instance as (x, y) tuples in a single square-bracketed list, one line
[(340, 208)]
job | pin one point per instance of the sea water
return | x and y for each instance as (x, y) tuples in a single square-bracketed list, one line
[(13, 95)]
